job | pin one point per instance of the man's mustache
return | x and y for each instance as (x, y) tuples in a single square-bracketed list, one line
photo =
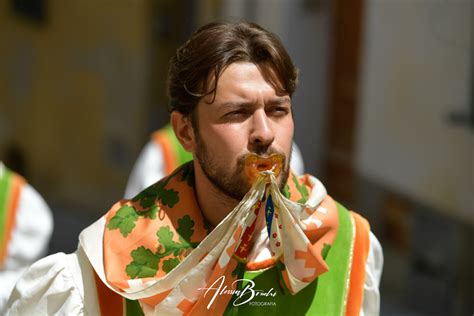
[(260, 149), (266, 154)]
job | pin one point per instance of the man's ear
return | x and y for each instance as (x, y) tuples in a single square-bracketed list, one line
[(183, 130)]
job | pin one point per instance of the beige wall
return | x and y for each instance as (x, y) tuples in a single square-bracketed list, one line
[(73, 95), (416, 71)]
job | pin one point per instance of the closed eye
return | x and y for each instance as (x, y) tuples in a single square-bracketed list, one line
[(237, 113), (278, 111)]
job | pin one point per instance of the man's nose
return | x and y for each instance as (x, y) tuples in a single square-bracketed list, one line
[(261, 133)]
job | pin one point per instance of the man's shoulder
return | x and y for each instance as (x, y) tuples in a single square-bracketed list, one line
[(307, 183)]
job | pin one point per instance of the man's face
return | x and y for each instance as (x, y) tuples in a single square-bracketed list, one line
[(247, 116)]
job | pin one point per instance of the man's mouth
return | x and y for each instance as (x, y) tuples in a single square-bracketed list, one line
[(264, 165), (255, 164)]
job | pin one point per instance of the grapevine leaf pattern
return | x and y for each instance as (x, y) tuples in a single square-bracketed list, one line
[(127, 215), (148, 193), (124, 220), (151, 212), (169, 197), (147, 202), (165, 238), (155, 192), (170, 264), (144, 264), (185, 227)]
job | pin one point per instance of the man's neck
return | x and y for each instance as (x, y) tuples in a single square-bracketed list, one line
[(214, 204)]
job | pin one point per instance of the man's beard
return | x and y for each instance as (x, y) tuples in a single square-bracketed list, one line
[(234, 183)]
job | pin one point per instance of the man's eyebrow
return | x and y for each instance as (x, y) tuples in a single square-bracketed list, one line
[(249, 104), (237, 105), (279, 101)]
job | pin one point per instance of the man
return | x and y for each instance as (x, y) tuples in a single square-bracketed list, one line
[(26, 225), (164, 153), (233, 231)]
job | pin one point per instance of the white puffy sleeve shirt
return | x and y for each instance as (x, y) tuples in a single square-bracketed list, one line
[(64, 285), (29, 240)]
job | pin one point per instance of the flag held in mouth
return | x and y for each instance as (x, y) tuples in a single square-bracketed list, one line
[(264, 222)]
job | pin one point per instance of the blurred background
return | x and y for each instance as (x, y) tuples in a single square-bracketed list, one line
[(384, 116)]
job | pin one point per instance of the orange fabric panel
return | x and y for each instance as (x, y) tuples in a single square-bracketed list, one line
[(253, 266), (218, 306), (155, 299), (110, 303), (168, 152), (357, 277)]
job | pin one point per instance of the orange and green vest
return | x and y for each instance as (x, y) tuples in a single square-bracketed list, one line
[(10, 189), (336, 292), (174, 154)]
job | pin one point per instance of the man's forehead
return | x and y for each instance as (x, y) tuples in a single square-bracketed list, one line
[(237, 79)]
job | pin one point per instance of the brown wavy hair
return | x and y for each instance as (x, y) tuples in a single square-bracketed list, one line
[(195, 69)]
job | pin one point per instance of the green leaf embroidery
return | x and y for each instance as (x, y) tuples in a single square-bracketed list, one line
[(127, 216), (169, 197), (185, 227), (150, 213), (149, 192), (165, 238), (144, 264), (124, 220), (170, 264), (158, 191), (147, 202)]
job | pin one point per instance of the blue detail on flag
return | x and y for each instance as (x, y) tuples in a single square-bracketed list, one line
[(269, 210)]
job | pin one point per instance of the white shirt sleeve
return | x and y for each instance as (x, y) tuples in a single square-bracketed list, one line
[(373, 273), (296, 162), (64, 285), (29, 240), (149, 168), (59, 284)]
